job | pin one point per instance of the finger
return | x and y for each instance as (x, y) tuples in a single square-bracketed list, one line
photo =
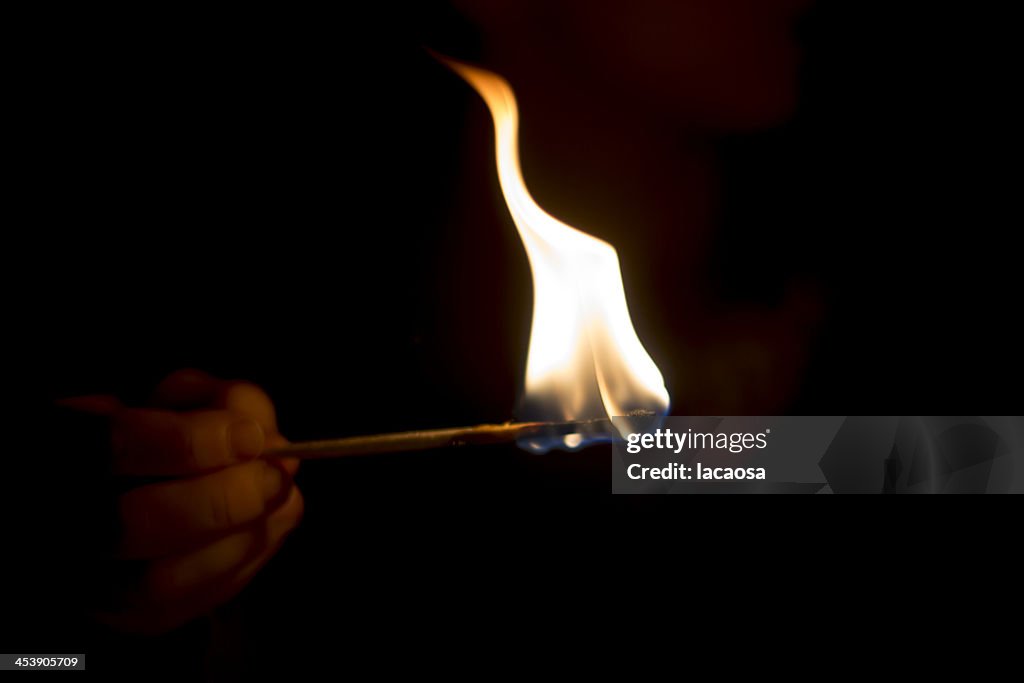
[(165, 518), (160, 442), (100, 404), (180, 589), (192, 389), (175, 578), (187, 389), (245, 398), (249, 399)]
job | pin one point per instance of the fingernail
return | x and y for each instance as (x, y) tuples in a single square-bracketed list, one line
[(273, 481), (246, 438), (287, 514)]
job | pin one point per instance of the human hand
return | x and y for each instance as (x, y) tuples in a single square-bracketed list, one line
[(192, 539)]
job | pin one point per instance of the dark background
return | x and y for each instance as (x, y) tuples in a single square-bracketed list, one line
[(264, 195)]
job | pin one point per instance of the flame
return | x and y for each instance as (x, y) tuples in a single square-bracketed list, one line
[(585, 361)]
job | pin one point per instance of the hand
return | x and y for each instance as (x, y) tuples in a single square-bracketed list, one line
[(193, 539)]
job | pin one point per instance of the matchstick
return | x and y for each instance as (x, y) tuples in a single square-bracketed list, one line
[(399, 442)]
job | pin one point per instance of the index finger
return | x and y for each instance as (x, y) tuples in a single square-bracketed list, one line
[(148, 442), (191, 389)]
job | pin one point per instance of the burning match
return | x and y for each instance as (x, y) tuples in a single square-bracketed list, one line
[(585, 360), (400, 442)]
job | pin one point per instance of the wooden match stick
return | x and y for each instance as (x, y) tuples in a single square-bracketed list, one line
[(399, 442)]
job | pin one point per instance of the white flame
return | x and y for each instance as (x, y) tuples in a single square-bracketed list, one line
[(585, 360)]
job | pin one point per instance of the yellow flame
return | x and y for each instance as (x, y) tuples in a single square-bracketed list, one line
[(585, 360)]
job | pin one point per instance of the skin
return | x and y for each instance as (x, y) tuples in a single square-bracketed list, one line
[(192, 540), (619, 102)]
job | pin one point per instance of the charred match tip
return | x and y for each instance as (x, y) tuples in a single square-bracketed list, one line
[(429, 439)]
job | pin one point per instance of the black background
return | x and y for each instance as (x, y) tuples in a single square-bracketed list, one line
[(263, 195)]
